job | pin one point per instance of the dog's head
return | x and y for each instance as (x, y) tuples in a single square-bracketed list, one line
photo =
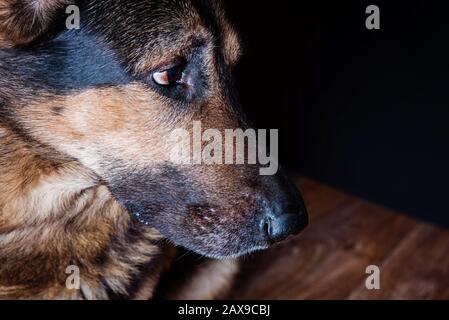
[(110, 95)]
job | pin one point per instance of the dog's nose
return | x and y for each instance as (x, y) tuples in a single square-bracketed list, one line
[(280, 226)]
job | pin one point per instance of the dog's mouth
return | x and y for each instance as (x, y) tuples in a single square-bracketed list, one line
[(212, 223), (215, 233)]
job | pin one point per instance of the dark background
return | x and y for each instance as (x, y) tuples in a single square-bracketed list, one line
[(363, 110)]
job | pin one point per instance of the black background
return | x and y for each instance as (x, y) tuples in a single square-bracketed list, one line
[(363, 110), (123, 309)]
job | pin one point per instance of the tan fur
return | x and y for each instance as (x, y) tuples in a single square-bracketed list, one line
[(231, 41), (37, 20), (54, 216), (55, 208), (55, 213)]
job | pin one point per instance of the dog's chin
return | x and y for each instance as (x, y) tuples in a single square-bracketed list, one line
[(232, 255), (208, 249), (225, 253)]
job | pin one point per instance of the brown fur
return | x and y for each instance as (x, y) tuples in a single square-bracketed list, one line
[(55, 212), (86, 177), (22, 21), (54, 216)]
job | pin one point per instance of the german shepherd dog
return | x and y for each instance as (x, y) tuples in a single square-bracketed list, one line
[(85, 175)]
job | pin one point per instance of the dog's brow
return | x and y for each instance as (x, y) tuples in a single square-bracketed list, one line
[(180, 46), (232, 45)]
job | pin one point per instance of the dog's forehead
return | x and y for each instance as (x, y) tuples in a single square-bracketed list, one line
[(155, 28)]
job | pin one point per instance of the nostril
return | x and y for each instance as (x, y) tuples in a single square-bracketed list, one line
[(280, 227), (265, 226)]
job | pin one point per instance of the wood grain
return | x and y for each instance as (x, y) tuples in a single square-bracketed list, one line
[(345, 235)]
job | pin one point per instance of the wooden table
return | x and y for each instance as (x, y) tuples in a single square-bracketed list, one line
[(346, 234)]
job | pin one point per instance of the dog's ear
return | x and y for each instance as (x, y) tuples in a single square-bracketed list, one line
[(23, 21)]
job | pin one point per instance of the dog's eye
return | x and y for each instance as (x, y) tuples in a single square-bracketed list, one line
[(170, 76)]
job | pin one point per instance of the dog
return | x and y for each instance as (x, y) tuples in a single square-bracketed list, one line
[(85, 176)]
